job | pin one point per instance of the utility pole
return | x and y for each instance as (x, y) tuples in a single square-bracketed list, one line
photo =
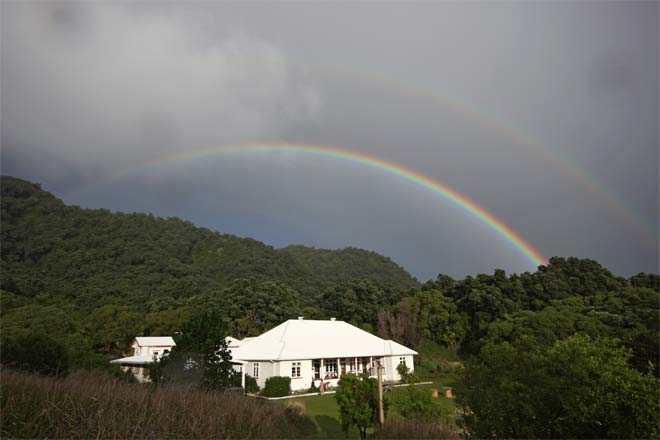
[(381, 412)]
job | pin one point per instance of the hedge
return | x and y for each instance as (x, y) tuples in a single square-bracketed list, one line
[(277, 386)]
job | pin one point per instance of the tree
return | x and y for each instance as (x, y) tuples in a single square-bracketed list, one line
[(218, 372), (580, 387), (37, 353), (357, 397)]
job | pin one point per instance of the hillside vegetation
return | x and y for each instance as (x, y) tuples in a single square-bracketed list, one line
[(79, 284), (67, 250)]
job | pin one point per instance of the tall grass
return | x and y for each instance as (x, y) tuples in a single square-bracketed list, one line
[(95, 405), (413, 429)]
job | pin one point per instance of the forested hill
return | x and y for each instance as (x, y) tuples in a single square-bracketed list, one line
[(48, 246), (336, 266)]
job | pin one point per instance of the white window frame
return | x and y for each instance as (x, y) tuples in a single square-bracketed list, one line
[(330, 367), (296, 369), (402, 360), (255, 369)]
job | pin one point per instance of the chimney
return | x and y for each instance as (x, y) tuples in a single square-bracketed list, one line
[(300, 318), (333, 319)]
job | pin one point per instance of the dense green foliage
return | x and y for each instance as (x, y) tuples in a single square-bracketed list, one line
[(91, 280), (277, 386), (415, 403), (577, 388), (357, 397), (36, 353), (251, 385), (567, 296)]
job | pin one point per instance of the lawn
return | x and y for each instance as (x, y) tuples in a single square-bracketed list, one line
[(435, 364), (324, 412)]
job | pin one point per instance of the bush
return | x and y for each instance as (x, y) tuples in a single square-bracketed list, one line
[(295, 409), (277, 386), (417, 404), (579, 388), (36, 353), (119, 374), (251, 385)]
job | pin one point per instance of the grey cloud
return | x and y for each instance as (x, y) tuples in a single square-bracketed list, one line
[(132, 86), (452, 90)]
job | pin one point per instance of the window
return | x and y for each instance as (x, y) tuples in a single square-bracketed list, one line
[(330, 366), (295, 369), (402, 360), (255, 369)]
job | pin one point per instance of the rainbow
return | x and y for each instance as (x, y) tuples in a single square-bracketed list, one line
[(568, 166), (458, 199)]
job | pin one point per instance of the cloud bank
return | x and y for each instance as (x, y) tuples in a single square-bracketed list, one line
[(94, 87)]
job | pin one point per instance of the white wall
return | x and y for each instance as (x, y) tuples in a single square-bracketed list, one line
[(266, 370), (283, 368), (391, 364), (303, 382), (149, 351)]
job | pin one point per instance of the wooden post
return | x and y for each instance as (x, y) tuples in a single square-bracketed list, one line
[(321, 376), (381, 412)]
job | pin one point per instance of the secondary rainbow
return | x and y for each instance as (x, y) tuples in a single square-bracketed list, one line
[(564, 163), (523, 246)]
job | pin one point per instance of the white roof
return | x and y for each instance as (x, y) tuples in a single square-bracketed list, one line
[(311, 339), (154, 341), (134, 360), (232, 342)]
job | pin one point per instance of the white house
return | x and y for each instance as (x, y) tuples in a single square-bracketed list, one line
[(314, 351), (145, 350)]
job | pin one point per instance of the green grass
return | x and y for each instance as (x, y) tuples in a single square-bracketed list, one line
[(433, 366), (324, 412)]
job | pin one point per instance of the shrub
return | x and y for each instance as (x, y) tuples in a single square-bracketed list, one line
[(295, 409), (277, 386), (251, 385), (119, 374), (578, 388), (36, 353), (417, 404), (404, 372)]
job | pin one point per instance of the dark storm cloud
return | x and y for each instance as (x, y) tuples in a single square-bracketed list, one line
[(92, 88), (104, 86)]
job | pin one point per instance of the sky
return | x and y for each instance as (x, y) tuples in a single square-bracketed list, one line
[(543, 114)]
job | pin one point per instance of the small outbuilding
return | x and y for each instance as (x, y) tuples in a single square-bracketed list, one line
[(146, 350)]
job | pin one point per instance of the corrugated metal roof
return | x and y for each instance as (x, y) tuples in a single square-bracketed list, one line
[(155, 341), (312, 339)]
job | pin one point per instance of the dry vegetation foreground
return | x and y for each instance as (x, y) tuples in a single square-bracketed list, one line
[(93, 405)]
